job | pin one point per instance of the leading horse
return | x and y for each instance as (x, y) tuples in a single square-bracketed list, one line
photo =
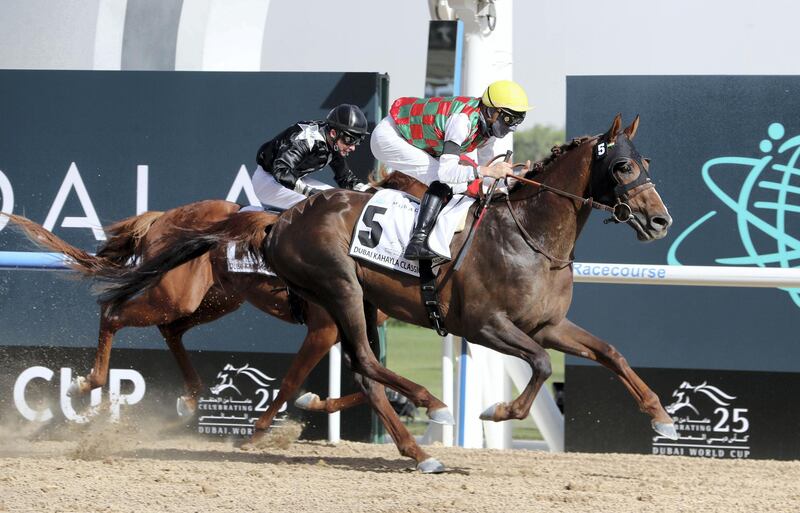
[(514, 288)]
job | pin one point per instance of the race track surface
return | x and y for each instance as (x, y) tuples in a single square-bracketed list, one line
[(114, 468)]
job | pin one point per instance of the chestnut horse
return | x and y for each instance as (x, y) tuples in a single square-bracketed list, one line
[(514, 288), (203, 290)]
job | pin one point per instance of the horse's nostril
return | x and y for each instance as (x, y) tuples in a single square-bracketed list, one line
[(661, 222)]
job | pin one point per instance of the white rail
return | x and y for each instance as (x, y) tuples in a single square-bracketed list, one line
[(709, 276)]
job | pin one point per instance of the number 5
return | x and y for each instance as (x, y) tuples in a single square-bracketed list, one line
[(370, 238)]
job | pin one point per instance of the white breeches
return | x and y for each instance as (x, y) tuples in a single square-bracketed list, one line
[(271, 193), (397, 154)]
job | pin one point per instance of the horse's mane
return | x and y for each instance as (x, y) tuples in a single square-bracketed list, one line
[(555, 153)]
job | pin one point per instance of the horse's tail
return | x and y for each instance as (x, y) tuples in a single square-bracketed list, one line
[(79, 260), (125, 238), (246, 229)]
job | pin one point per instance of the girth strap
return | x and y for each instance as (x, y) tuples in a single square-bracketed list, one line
[(430, 297)]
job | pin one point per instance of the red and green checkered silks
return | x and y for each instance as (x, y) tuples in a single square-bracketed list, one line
[(421, 121)]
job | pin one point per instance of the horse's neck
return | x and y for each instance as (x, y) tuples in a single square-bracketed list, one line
[(554, 220)]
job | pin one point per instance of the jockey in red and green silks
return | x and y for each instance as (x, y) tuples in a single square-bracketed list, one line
[(427, 138), (423, 122)]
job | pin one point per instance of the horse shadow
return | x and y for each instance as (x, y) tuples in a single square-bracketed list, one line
[(360, 464)]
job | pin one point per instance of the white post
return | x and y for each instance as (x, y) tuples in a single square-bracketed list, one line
[(482, 379), (334, 390), (447, 385), (471, 374), (496, 388)]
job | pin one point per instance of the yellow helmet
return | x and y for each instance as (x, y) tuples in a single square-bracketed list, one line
[(506, 94)]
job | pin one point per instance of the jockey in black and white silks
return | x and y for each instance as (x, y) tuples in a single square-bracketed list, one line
[(305, 147)]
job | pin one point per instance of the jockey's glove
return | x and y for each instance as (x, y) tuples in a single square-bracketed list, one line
[(304, 189)]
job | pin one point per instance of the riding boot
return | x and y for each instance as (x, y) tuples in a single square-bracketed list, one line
[(429, 208)]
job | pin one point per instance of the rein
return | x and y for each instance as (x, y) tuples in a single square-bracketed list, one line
[(534, 246), (620, 212), (583, 201)]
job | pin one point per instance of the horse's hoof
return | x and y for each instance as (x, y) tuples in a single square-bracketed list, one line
[(441, 416), (183, 407), (488, 413), (430, 466), (305, 401), (665, 429), (76, 386)]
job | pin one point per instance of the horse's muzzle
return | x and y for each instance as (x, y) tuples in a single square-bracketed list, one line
[(650, 228), (658, 225)]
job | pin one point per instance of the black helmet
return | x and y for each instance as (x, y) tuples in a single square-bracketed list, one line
[(348, 118)]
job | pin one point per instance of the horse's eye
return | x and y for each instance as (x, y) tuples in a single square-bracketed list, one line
[(624, 167)]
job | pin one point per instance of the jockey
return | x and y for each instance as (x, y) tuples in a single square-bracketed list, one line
[(427, 137), (305, 147)]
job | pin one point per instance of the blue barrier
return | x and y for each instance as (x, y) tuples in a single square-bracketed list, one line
[(33, 261)]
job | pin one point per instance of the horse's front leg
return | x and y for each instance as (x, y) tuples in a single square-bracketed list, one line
[(321, 336), (569, 338), (500, 334)]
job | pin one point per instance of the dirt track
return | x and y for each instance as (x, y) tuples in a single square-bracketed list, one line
[(111, 469)]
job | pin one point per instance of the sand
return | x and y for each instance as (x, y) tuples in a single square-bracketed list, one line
[(117, 468)]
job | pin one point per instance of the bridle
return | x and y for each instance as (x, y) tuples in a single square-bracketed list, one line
[(614, 156), (607, 156)]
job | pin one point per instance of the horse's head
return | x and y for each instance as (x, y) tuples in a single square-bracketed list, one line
[(621, 179)]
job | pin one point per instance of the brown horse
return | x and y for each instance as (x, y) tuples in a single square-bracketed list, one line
[(514, 288), (203, 290)]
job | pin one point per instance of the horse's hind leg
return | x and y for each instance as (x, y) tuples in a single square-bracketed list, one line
[(376, 395), (364, 362), (215, 304), (98, 376), (345, 303), (321, 336), (570, 338), (109, 325), (408, 447), (159, 305)]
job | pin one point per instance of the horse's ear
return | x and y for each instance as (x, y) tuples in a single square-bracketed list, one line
[(631, 130), (614, 130)]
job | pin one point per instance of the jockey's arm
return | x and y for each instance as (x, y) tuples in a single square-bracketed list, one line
[(284, 166), (451, 171), (344, 177)]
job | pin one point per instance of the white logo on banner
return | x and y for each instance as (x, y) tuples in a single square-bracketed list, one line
[(238, 398), (6, 199), (74, 181), (709, 424), (45, 413)]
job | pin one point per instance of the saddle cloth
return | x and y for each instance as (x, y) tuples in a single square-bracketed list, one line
[(385, 225), (245, 264)]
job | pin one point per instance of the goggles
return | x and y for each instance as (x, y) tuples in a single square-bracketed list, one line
[(351, 139), (511, 118)]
